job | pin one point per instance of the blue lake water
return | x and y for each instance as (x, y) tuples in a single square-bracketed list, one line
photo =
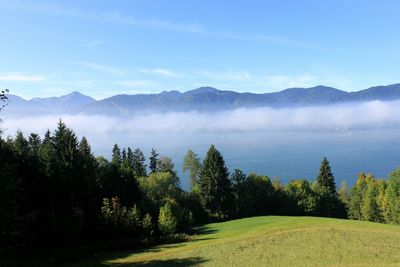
[(284, 154)]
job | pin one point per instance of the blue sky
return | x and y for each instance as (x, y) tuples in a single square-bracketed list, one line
[(103, 48)]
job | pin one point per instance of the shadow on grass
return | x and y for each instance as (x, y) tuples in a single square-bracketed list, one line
[(204, 230), (193, 261), (106, 258)]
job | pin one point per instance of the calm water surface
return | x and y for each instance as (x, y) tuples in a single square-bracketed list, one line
[(284, 154)]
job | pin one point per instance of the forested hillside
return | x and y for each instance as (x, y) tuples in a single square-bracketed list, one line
[(54, 191)]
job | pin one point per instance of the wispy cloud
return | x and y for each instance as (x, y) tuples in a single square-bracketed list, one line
[(94, 43), (154, 22), (280, 82), (136, 83), (118, 17), (103, 68), (287, 81), (115, 17), (18, 77), (228, 75), (264, 38), (260, 81), (161, 71)]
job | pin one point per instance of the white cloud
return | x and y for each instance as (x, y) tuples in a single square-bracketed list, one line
[(280, 82), (263, 38), (161, 71), (18, 77), (136, 83), (154, 22), (286, 81), (103, 68), (228, 75), (259, 82)]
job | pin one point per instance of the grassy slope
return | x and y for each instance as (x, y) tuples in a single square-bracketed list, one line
[(275, 241)]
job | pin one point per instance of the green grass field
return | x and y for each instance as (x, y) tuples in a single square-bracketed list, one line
[(273, 241)]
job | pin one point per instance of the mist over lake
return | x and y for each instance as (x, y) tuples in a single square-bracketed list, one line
[(283, 143)]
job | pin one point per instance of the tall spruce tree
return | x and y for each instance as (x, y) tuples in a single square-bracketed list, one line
[(325, 179), (153, 160), (124, 157), (139, 166), (215, 185), (116, 156), (129, 156), (328, 203), (34, 143)]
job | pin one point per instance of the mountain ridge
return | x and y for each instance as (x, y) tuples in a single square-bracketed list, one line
[(199, 99)]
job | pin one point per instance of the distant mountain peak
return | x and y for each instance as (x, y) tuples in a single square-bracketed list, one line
[(202, 90), (75, 93), (172, 92), (323, 87)]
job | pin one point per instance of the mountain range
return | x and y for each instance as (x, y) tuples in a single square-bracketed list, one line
[(200, 99)]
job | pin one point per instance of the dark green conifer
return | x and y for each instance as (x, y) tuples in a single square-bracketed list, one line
[(116, 156), (325, 179), (215, 185), (153, 160)]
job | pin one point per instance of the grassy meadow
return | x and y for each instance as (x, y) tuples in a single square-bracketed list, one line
[(272, 241)]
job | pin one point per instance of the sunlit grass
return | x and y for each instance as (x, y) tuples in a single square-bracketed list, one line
[(275, 241)]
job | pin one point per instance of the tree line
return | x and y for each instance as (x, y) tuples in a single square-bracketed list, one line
[(54, 191)]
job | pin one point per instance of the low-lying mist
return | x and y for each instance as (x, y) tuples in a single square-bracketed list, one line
[(350, 116)]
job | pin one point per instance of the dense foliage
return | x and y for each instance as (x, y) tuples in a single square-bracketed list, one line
[(53, 191)]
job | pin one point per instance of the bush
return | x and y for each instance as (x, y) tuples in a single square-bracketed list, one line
[(167, 222), (119, 218)]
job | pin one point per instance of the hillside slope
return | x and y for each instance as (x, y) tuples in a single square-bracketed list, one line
[(274, 241)]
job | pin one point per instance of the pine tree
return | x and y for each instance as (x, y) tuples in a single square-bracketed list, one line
[(124, 157), (85, 149), (68, 190), (129, 156), (328, 203), (325, 179), (66, 146), (139, 166), (215, 185), (116, 156), (47, 153), (20, 144), (34, 143), (153, 160)]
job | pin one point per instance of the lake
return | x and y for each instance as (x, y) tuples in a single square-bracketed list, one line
[(284, 154)]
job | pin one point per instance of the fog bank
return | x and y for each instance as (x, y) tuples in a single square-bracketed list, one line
[(362, 115)]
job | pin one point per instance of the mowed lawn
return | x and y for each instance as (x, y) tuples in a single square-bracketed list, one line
[(273, 241)]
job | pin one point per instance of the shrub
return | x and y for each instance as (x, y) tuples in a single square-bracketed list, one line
[(167, 222)]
